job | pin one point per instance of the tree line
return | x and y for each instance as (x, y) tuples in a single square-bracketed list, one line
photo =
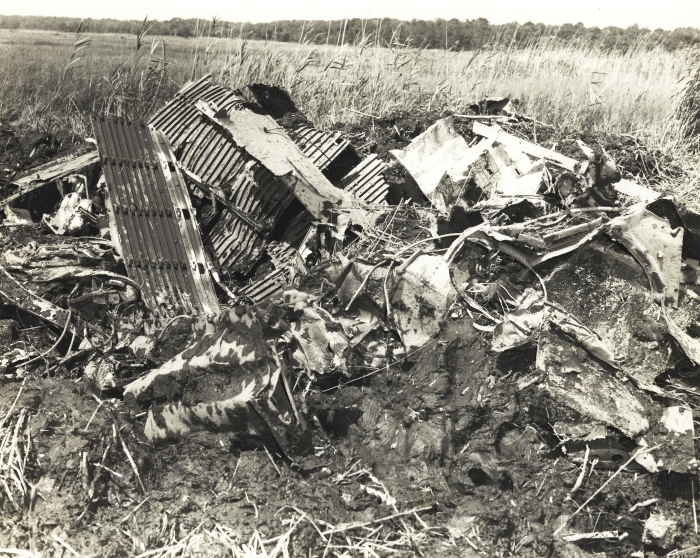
[(451, 34)]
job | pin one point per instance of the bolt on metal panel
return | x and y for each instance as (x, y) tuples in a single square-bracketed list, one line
[(151, 210)]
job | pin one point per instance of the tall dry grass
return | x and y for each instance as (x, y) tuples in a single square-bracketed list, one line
[(575, 87), (54, 82), (689, 106), (579, 86)]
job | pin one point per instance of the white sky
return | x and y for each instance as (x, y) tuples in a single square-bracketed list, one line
[(667, 14)]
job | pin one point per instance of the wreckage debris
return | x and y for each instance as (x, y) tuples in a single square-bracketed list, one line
[(152, 220), (227, 265), (247, 198), (366, 181), (240, 199), (38, 193)]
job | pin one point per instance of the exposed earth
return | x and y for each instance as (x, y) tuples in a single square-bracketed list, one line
[(445, 451)]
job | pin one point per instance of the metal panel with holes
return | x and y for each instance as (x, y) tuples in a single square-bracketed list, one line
[(151, 213)]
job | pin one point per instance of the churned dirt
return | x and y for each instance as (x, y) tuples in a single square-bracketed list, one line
[(452, 430)]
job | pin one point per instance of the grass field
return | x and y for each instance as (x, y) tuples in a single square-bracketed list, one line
[(48, 85)]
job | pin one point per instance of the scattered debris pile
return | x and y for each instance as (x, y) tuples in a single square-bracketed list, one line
[(523, 329)]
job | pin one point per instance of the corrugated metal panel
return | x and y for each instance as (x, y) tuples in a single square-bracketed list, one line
[(271, 285), (283, 257), (177, 118), (150, 205), (281, 254), (208, 152), (321, 147), (366, 180), (295, 232)]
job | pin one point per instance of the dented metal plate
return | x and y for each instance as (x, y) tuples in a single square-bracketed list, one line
[(421, 299), (658, 249), (439, 161), (580, 384), (657, 246), (612, 299)]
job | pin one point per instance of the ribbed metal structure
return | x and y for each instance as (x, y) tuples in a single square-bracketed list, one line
[(283, 257), (249, 187), (150, 206), (209, 153), (272, 284), (176, 118), (366, 180), (321, 147), (281, 254)]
